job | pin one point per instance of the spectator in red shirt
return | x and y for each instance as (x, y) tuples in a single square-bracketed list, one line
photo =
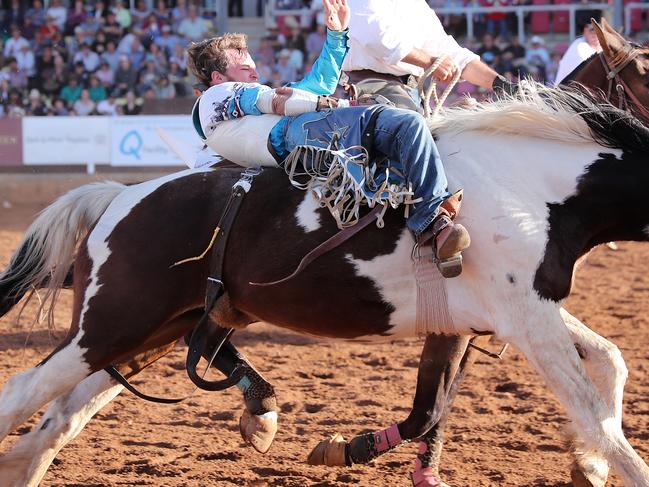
[(496, 21), (151, 28), (50, 28)]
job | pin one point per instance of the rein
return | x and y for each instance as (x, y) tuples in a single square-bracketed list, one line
[(431, 90), (613, 69)]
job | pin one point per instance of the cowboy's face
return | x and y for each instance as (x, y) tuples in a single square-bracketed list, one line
[(241, 68)]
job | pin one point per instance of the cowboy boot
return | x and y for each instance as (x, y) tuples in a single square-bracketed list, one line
[(448, 239)]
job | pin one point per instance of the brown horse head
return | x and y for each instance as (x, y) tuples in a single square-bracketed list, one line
[(625, 67)]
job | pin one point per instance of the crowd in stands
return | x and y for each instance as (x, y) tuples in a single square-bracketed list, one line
[(95, 57), (104, 58)]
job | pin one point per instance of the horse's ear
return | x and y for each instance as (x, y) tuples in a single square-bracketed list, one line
[(610, 40)]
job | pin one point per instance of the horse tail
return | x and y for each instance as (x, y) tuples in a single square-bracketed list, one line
[(44, 258)]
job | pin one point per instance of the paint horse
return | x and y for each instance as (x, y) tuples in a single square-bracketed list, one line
[(548, 211)]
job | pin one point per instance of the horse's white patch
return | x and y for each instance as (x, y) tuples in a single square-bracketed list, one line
[(307, 216), (394, 276), (28, 391), (119, 208), (64, 419)]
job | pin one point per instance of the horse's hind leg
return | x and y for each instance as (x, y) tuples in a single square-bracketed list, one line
[(258, 423), (438, 365), (548, 345), (605, 366), (28, 461), (64, 419), (27, 392), (430, 443)]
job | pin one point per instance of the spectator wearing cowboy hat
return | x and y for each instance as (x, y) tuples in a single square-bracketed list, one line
[(35, 106), (537, 57)]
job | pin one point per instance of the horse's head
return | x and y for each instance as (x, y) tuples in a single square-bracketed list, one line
[(626, 70)]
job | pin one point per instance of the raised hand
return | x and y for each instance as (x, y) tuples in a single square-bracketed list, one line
[(336, 14)]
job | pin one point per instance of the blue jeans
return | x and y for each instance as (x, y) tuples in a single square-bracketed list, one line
[(403, 136), (399, 134)]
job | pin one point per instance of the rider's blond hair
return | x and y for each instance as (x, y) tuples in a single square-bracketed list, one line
[(211, 55)]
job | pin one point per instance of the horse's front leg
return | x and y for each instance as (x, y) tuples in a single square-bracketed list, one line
[(440, 359), (606, 368), (548, 344)]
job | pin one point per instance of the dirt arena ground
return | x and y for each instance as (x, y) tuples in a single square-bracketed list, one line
[(505, 428)]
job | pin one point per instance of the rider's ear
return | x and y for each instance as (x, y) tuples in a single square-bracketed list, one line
[(216, 78)]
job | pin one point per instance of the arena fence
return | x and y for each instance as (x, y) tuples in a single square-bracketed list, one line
[(120, 141)]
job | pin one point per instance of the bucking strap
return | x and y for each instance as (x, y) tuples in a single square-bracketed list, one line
[(215, 289)]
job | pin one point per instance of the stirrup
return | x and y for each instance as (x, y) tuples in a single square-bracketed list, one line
[(449, 260), (451, 267)]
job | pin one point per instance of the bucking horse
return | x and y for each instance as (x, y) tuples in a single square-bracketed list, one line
[(547, 174)]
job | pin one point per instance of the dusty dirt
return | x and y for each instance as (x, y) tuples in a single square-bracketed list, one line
[(505, 428)]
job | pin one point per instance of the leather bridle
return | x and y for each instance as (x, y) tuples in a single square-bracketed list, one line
[(613, 68)]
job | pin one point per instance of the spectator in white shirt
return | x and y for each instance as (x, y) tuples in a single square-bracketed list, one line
[(26, 61), (59, 13), (14, 43), (194, 28), (84, 105), (108, 106), (286, 70), (581, 49), (400, 38), (89, 58)]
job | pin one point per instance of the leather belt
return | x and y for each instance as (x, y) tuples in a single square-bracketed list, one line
[(363, 74)]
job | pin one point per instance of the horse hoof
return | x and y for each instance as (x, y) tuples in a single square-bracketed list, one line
[(260, 430), (329, 452), (589, 470), (580, 479), (426, 478)]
